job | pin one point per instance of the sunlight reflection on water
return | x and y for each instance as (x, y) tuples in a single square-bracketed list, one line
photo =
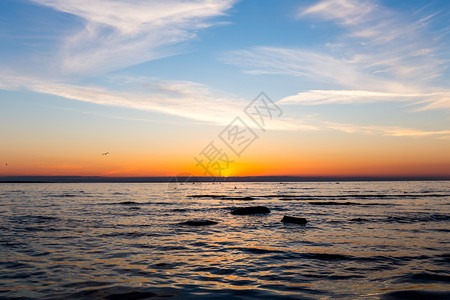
[(362, 239)]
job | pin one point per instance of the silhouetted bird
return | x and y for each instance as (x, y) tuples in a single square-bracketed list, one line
[(106, 153)]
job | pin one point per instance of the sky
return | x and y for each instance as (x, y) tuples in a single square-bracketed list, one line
[(224, 88)]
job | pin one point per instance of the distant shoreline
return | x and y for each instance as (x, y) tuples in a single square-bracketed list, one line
[(184, 179)]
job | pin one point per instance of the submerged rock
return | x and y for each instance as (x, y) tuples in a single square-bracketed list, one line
[(128, 203), (252, 210), (295, 220), (206, 196), (247, 198), (199, 223)]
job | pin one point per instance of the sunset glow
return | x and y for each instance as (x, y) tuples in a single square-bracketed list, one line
[(357, 88)]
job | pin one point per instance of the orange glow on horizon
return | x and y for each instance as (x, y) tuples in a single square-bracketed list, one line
[(309, 156), (307, 167)]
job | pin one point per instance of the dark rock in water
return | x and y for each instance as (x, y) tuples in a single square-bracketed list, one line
[(119, 293), (358, 220), (206, 196), (128, 203), (252, 210), (247, 198), (415, 295), (295, 220), (199, 223)]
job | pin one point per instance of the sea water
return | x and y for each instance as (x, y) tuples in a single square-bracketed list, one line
[(363, 240)]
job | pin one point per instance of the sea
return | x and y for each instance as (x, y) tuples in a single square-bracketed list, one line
[(362, 240)]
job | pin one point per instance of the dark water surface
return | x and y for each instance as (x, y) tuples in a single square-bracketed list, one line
[(363, 240)]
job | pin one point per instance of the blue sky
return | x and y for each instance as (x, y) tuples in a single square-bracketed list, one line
[(368, 68)]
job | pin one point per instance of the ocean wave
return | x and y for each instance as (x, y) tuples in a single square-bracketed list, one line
[(131, 234), (415, 295), (414, 218), (424, 277), (96, 248), (119, 293)]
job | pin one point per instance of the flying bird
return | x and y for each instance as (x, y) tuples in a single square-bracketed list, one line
[(106, 153)]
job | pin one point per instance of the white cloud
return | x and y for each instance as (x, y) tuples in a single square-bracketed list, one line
[(116, 34), (344, 11), (382, 52), (397, 131), (180, 98), (316, 97), (350, 73), (113, 34), (392, 43), (198, 102), (184, 99), (437, 102), (383, 56)]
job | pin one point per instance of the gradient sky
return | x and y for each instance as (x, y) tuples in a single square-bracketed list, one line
[(363, 86)]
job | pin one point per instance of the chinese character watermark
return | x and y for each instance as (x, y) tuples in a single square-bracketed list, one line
[(214, 161), (238, 136), (261, 109)]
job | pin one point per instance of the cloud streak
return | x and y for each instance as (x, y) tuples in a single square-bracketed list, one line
[(349, 12), (200, 103), (380, 57), (381, 41), (116, 34), (178, 98), (317, 97), (319, 66), (396, 131)]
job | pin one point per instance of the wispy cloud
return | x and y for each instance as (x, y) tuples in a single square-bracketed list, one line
[(397, 131), (437, 102), (384, 41), (179, 98), (198, 102), (348, 12), (116, 34), (316, 65), (384, 55), (186, 99), (317, 97), (380, 58)]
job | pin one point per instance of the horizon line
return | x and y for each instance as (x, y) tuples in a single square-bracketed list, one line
[(206, 179)]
